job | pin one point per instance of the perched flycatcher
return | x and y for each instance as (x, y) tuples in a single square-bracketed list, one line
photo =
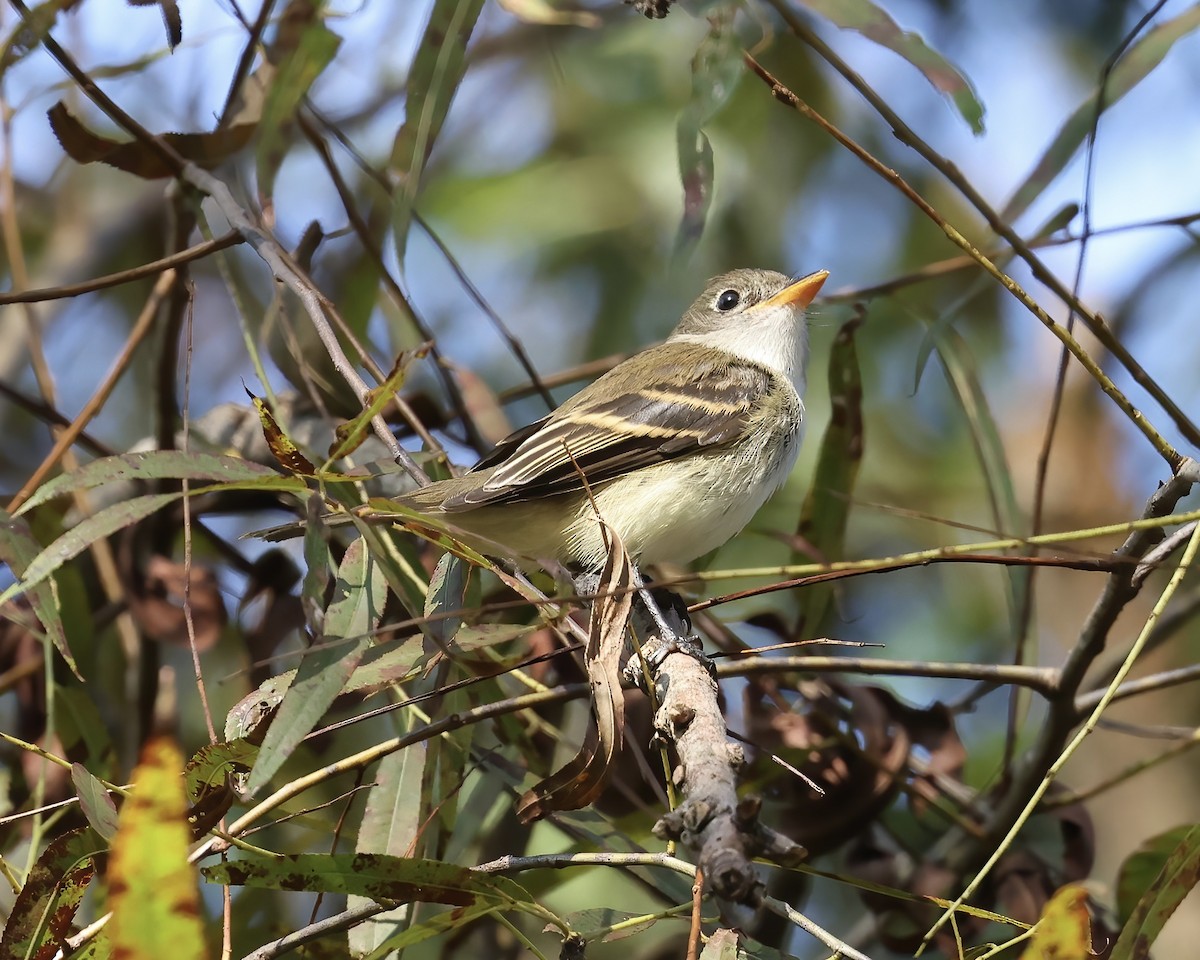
[(676, 448)]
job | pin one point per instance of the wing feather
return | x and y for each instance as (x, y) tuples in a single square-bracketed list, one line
[(667, 406)]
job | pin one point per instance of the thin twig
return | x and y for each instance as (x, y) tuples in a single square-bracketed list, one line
[(1041, 272), (784, 95), (66, 290)]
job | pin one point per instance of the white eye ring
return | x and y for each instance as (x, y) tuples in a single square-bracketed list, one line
[(728, 300)]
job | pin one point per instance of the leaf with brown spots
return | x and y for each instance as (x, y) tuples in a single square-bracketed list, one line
[(152, 887), (1176, 878), (42, 914), (350, 435), (282, 446), (374, 875)]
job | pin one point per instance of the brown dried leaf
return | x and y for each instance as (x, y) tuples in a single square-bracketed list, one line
[(842, 737), (582, 779), (156, 603), (172, 21), (133, 156)]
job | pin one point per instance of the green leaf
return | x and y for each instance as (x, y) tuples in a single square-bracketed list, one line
[(18, 549), (359, 597), (95, 801), (41, 916), (437, 70), (152, 888), (83, 535), (117, 517), (875, 24), (826, 509), (447, 591), (390, 825), (150, 465), (1151, 884), (300, 53), (377, 876), (1137, 64), (349, 436)]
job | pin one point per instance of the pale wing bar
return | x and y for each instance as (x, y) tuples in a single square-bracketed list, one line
[(637, 429)]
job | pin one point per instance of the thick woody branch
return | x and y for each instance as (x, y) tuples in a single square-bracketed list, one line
[(722, 831)]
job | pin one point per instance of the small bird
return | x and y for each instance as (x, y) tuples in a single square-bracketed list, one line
[(676, 448)]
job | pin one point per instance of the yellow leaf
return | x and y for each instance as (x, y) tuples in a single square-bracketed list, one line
[(152, 888), (1065, 930)]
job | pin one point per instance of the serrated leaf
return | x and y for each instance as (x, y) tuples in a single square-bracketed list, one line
[(1137, 64), (826, 510), (151, 886), (359, 597), (41, 916), (19, 548), (150, 465), (875, 24), (140, 159), (1176, 878), (377, 876), (95, 801), (437, 70)]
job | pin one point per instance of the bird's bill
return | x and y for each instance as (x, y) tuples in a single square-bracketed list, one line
[(799, 294)]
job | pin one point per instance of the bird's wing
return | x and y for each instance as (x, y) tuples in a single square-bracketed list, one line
[(677, 408)]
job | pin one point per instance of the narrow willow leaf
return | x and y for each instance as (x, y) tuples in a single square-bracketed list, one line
[(437, 70), (377, 876), (282, 447), (18, 548), (359, 596), (299, 55), (105, 522), (95, 801), (349, 436), (716, 69), (875, 24), (206, 150), (826, 510), (1176, 878), (83, 535), (1137, 64), (149, 465), (447, 591), (151, 886), (390, 825)]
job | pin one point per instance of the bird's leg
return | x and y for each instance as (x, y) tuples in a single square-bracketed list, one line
[(666, 630), (665, 626)]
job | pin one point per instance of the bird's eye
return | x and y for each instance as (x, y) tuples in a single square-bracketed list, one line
[(728, 300)]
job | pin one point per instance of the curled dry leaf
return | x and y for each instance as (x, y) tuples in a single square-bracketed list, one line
[(156, 603), (582, 779), (839, 735)]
